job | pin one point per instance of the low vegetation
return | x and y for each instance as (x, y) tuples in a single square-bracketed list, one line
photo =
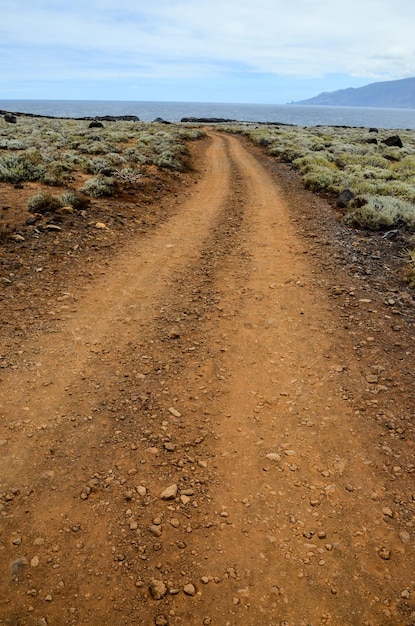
[(379, 176), (51, 151)]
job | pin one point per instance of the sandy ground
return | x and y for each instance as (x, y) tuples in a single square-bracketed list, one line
[(215, 424)]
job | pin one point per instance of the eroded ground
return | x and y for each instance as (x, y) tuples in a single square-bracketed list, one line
[(249, 355)]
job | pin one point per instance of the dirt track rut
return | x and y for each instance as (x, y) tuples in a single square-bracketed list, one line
[(208, 358)]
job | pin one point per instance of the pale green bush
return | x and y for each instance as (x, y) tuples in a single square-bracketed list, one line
[(382, 212), (99, 186)]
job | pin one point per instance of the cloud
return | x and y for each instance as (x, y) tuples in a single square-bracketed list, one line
[(110, 39)]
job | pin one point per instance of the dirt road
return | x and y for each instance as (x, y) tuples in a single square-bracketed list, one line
[(213, 431)]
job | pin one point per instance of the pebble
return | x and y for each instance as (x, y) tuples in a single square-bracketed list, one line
[(142, 491), (35, 561), (174, 412), (175, 522), (273, 456), (189, 589), (384, 553), (16, 566), (157, 589), (404, 536), (387, 511), (161, 620), (156, 530), (169, 493)]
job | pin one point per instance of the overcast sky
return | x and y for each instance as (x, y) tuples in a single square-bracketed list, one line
[(262, 51)]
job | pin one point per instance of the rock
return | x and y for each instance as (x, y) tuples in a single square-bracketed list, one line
[(159, 120), (96, 124), (384, 554), (101, 226), (174, 412), (189, 589), (156, 530), (157, 589), (35, 561), (404, 536), (387, 511), (169, 493), (170, 447), (10, 118), (141, 490), (273, 456), (16, 566), (344, 198), (393, 140), (161, 620)]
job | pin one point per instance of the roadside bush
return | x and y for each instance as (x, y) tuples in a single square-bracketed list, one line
[(75, 199), (99, 186), (44, 202), (381, 212)]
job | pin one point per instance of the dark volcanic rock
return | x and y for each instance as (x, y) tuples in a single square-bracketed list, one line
[(96, 124), (159, 120), (206, 120), (394, 140), (344, 198), (10, 118)]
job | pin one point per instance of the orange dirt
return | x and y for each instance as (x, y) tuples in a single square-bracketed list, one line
[(231, 355)]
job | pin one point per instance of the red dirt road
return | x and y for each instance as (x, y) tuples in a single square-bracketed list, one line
[(216, 357)]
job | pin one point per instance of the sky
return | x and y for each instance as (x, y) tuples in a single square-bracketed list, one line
[(247, 51)]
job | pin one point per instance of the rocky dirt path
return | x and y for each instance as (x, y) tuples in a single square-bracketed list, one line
[(217, 431)]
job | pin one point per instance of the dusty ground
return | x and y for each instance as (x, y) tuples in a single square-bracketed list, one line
[(233, 343)]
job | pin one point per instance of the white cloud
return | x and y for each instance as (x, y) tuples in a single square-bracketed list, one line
[(193, 38)]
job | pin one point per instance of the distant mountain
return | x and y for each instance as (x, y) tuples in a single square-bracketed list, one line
[(391, 94)]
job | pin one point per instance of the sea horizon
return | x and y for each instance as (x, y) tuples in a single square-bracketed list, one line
[(148, 111)]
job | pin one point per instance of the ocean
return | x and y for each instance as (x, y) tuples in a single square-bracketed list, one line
[(300, 115)]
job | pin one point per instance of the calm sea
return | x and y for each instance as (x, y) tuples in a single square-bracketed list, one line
[(305, 115)]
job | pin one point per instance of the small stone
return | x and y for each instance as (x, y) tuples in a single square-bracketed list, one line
[(157, 589), (133, 526), (404, 536), (290, 452), (16, 566), (170, 447), (48, 598), (189, 589), (156, 530), (169, 493), (384, 553), (387, 511), (174, 412), (161, 620), (273, 456), (372, 379), (205, 580), (405, 594), (35, 561), (101, 226), (142, 491), (175, 523), (184, 499)]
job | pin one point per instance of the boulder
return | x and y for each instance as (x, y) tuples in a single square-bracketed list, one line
[(159, 120), (344, 198), (12, 119), (394, 140), (96, 124)]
